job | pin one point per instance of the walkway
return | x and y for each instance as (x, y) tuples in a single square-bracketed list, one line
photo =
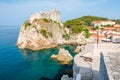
[(92, 51)]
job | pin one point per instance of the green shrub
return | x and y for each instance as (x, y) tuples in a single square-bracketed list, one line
[(86, 32), (55, 22), (95, 28), (58, 24), (102, 28), (26, 23), (46, 20), (107, 25), (85, 20), (66, 36), (43, 31), (76, 29), (50, 34), (36, 29), (117, 21)]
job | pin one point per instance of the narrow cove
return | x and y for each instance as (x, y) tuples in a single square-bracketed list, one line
[(45, 68)]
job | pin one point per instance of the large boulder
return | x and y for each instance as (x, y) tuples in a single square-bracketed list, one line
[(64, 56)]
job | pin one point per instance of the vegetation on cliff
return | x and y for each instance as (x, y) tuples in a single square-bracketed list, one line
[(76, 26), (79, 24), (66, 36), (26, 23), (86, 32), (118, 21), (83, 21), (44, 32)]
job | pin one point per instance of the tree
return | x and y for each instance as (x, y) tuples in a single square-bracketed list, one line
[(117, 21), (85, 20), (66, 36), (86, 32), (76, 29), (95, 28)]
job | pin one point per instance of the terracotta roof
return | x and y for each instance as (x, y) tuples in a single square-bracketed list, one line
[(109, 27), (103, 21), (116, 34), (100, 36), (110, 34), (95, 21), (116, 26)]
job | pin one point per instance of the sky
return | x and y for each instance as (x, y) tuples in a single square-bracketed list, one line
[(15, 12)]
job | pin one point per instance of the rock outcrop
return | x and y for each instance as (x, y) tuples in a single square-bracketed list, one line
[(54, 56), (64, 56), (45, 30), (79, 49), (66, 77)]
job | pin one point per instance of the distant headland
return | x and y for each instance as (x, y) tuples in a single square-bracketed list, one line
[(45, 30)]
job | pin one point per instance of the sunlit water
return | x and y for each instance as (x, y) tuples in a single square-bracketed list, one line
[(16, 64)]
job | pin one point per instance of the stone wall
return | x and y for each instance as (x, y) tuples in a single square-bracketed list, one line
[(109, 61), (81, 66), (103, 75), (105, 64)]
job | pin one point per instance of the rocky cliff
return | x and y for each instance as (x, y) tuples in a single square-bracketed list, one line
[(45, 30)]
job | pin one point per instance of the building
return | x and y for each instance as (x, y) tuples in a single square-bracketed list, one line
[(117, 27), (103, 23)]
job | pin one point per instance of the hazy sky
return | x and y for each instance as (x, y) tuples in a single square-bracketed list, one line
[(14, 12)]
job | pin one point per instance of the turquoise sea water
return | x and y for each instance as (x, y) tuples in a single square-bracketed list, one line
[(16, 64)]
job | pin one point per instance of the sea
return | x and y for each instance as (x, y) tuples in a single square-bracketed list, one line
[(17, 64)]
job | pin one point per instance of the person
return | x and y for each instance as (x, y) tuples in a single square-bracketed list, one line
[(97, 38), (78, 77)]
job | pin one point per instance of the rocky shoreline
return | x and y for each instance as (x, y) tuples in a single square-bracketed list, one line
[(42, 32)]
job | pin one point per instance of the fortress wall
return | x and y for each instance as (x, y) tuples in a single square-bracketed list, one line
[(53, 15)]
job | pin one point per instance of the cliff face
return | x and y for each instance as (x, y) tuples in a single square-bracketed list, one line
[(45, 30)]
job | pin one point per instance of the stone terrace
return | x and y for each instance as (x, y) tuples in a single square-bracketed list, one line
[(104, 67)]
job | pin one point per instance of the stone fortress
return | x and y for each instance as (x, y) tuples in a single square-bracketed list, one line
[(45, 30), (52, 14)]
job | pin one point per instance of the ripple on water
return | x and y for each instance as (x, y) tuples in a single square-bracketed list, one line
[(18, 64)]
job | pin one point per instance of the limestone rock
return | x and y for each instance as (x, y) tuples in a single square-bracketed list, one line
[(88, 54), (54, 56), (66, 77), (42, 32), (77, 39), (64, 56), (45, 30), (78, 49)]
